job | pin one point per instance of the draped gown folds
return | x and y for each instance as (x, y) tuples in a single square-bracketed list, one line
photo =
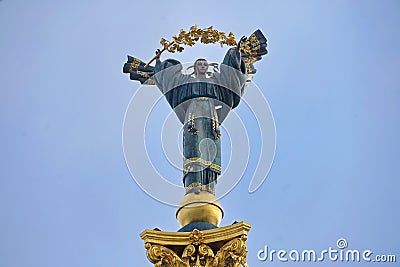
[(202, 104)]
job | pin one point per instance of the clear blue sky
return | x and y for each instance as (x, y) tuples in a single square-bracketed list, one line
[(331, 79)]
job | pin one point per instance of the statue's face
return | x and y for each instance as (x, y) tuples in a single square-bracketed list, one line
[(201, 67)]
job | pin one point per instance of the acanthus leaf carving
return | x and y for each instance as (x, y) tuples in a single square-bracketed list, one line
[(162, 256), (232, 254)]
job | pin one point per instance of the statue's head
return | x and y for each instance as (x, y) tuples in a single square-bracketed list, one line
[(200, 67)]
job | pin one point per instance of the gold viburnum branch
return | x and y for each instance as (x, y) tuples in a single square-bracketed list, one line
[(206, 36)]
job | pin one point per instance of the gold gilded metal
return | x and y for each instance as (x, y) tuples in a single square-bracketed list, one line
[(202, 161), (182, 238), (191, 124), (248, 62), (199, 207), (199, 185), (233, 253), (193, 185), (162, 256), (206, 36), (254, 42), (134, 65), (220, 247), (143, 74), (196, 237), (189, 254)]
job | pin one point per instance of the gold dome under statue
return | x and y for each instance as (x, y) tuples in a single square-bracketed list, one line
[(199, 207)]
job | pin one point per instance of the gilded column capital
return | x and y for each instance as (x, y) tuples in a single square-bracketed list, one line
[(231, 254), (220, 247)]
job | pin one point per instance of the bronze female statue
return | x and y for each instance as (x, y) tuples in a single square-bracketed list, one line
[(201, 101)]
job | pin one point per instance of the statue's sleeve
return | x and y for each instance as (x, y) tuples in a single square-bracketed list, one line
[(232, 76), (234, 60), (168, 75)]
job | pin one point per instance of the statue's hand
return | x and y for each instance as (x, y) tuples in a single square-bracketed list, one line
[(158, 54), (241, 42)]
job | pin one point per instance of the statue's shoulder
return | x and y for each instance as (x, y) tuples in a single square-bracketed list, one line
[(170, 62)]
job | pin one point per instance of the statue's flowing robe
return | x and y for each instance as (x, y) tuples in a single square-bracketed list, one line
[(202, 105)]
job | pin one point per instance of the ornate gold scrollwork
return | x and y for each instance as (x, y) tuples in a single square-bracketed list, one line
[(206, 255), (134, 65), (202, 161), (232, 254), (188, 255), (196, 237), (203, 258), (162, 256), (198, 254), (254, 42)]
